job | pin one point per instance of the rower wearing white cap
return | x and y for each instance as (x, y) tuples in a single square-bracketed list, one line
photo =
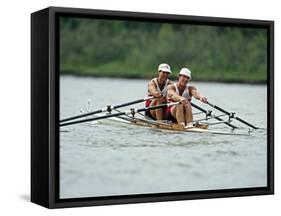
[(181, 91), (157, 87)]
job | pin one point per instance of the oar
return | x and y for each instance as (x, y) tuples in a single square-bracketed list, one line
[(108, 108), (231, 115), (208, 118), (132, 111), (208, 114)]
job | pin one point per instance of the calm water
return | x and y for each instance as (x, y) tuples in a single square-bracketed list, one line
[(108, 158)]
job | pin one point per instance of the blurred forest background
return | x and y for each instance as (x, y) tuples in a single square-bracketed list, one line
[(133, 49)]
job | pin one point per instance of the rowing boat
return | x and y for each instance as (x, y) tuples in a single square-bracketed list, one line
[(135, 117), (169, 126)]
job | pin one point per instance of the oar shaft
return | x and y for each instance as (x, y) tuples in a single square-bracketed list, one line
[(219, 108), (218, 118), (133, 102), (157, 107), (246, 123), (215, 123), (132, 111), (82, 115), (230, 114), (106, 108), (211, 117), (227, 123), (199, 108), (93, 119)]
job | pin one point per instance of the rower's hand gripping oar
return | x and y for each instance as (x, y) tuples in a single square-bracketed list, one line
[(132, 111), (107, 108), (231, 115)]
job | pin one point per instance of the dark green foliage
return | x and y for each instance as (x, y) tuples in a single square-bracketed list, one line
[(134, 50)]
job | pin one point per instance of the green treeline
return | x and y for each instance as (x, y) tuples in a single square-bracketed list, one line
[(134, 49)]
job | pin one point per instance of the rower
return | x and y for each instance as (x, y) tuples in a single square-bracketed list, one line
[(183, 92), (157, 87)]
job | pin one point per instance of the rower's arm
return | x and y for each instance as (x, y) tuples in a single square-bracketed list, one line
[(196, 94), (152, 89), (172, 93)]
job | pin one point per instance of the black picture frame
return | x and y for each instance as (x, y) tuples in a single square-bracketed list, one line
[(45, 108)]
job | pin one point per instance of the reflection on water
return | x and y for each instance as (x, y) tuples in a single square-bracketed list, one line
[(106, 158)]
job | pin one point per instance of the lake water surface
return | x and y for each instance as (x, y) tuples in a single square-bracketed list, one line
[(107, 158)]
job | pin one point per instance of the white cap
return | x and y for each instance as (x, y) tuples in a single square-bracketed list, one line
[(164, 67), (185, 72)]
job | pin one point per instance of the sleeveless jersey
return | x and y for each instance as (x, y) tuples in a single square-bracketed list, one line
[(164, 91), (185, 93)]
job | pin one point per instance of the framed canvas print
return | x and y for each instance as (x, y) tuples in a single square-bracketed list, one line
[(138, 107)]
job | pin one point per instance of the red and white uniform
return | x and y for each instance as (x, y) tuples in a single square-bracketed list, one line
[(164, 91), (184, 94)]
